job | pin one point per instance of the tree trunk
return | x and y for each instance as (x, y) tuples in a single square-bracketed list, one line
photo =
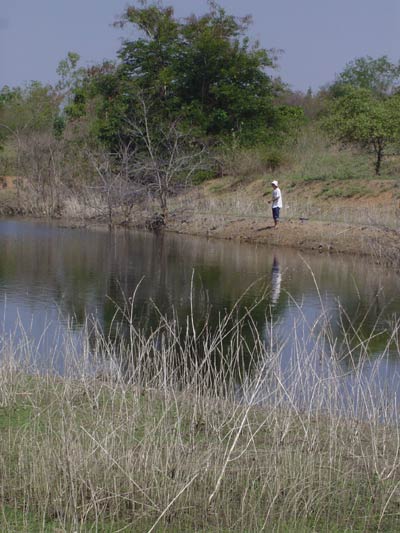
[(379, 157), (163, 203)]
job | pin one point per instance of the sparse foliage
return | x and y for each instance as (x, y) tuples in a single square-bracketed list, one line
[(167, 155), (361, 118), (114, 183), (380, 76)]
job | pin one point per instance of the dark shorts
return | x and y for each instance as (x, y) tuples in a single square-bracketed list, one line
[(275, 213)]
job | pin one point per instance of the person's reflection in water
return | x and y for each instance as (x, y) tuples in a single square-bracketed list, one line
[(276, 279)]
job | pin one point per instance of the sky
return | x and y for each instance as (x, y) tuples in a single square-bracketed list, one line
[(317, 37)]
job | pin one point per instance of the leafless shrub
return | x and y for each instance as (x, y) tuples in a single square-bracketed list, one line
[(40, 162), (114, 182), (167, 156)]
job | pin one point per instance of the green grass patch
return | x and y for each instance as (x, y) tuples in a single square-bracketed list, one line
[(14, 520), (15, 417), (334, 190), (200, 176)]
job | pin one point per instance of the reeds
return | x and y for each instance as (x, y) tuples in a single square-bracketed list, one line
[(201, 429)]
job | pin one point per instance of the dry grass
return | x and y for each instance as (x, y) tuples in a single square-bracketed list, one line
[(225, 202), (168, 431), (319, 181)]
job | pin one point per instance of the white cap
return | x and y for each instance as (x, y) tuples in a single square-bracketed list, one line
[(274, 183)]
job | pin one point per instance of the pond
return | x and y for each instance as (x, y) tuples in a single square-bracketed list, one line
[(52, 279)]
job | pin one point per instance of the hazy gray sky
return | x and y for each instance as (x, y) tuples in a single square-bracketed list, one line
[(318, 37)]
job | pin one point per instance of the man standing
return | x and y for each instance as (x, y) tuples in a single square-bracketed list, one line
[(276, 202)]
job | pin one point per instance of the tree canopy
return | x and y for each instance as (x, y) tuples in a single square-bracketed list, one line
[(363, 118), (380, 76), (203, 71)]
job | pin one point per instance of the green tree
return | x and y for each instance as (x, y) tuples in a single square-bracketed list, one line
[(69, 73), (380, 76), (25, 112), (202, 71), (28, 109), (362, 118), (180, 87)]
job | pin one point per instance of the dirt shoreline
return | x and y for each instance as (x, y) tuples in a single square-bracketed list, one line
[(379, 243), (377, 240)]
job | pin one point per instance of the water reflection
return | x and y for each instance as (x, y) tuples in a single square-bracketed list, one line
[(68, 275), (276, 280)]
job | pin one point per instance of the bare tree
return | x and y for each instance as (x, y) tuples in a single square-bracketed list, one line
[(41, 163), (114, 183), (166, 156)]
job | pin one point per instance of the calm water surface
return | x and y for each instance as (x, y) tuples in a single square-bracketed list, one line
[(53, 278)]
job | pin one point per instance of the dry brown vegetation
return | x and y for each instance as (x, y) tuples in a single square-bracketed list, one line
[(169, 433), (332, 202)]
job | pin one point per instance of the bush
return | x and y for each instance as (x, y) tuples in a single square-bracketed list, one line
[(200, 176), (251, 162)]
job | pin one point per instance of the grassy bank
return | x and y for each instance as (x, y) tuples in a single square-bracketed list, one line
[(168, 432)]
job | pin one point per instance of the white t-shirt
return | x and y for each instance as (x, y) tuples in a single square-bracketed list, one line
[(276, 198)]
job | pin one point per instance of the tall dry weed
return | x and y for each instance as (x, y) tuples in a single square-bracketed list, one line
[(169, 430)]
